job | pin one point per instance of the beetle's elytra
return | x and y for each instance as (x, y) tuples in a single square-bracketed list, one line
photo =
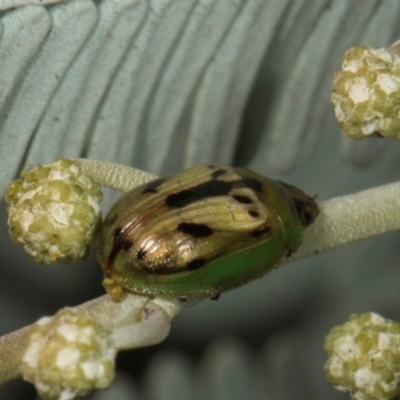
[(200, 232)]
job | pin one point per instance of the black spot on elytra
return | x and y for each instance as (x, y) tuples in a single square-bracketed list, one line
[(202, 191), (260, 232), (152, 186), (195, 230), (253, 183), (117, 235), (196, 264), (242, 199), (141, 254), (208, 189), (120, 244), (254, 214), (125, 245), (218, 173), (165, 270)]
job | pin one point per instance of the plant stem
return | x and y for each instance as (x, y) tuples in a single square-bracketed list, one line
[(115, 176), (12, 348), (133, 315), (351, 218), (341, 221)]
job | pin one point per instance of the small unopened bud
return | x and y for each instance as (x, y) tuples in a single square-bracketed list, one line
[(68, 355), (364, 357), (53, 211), (366, 93)]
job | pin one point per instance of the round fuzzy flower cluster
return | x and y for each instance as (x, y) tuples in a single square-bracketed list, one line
[(68, 355), (54, 210), (365, 357), (366, 93)]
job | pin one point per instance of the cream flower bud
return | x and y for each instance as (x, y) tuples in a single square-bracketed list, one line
[(364, 357), (53, 210), (68, 355), (366, 93)]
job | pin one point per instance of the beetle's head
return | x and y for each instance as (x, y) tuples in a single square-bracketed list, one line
[(306, 207)]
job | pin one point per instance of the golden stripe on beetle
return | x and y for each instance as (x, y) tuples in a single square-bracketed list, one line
[(201, 232)]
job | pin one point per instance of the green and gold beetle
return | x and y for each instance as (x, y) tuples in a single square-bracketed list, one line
[(200, 232)]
